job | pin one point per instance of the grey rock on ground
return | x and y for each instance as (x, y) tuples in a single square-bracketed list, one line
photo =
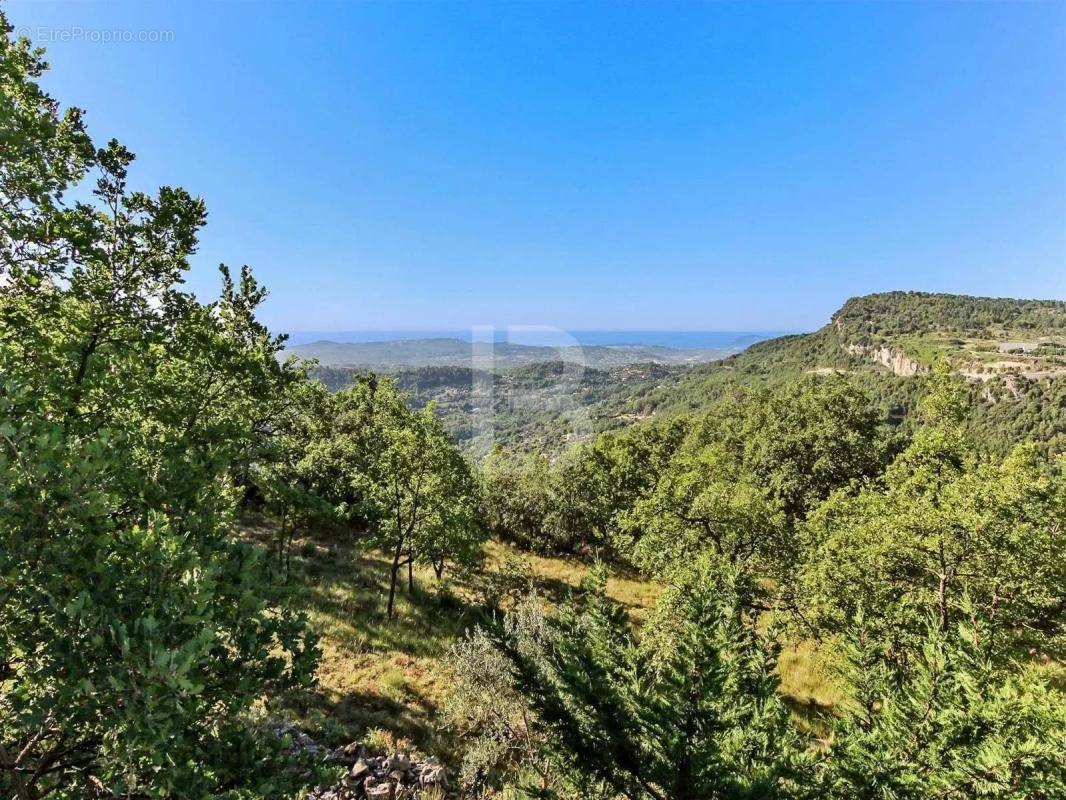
[(373, 777)]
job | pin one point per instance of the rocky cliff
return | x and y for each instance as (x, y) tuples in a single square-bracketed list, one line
[(895, 360)]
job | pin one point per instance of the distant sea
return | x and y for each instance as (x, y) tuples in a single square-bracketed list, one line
[(551, 337)]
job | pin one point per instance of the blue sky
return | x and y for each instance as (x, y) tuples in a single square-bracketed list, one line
[(583, 165)]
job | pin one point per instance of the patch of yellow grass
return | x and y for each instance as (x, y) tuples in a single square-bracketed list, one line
[(556, 575), (382, 677), (806, 685), (388, 678)]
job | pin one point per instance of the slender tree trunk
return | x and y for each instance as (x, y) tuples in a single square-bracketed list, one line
[(942, 601), (393, 573), (281, 536), (288, 552), (392, 590), (410, 574)]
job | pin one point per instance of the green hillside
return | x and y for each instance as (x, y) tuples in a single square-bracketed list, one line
[(1010, 351), (390, 356), (542, 406), (891, 314)]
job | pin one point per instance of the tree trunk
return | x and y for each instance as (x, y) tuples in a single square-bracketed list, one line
[(393, 574), (288, 551), (281, 536), (392, 590), (410, 574), (942, 601)]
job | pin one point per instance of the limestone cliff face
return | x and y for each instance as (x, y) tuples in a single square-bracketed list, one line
[(895, 360)]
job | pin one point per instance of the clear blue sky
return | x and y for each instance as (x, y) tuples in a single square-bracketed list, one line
[(625, 165)]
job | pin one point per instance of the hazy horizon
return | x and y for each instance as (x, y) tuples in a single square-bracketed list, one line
[(680, 339)]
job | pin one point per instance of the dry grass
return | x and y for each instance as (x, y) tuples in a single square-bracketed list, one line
[(386, 679), (806, 686), (555, 576), (382, 678)]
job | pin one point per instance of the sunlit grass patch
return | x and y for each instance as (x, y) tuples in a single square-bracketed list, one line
[(382, 678)]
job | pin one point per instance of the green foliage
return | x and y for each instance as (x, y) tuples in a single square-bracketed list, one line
[(285, 474), (705, 501), (534, 407), (944, 525), (699, 718), (896, 313), (749, 467), (362, 458), (503, 741), (810, 438), (954, 723), (135, 633), (517, 503), (420, 492), (930, 578), (576, 503)]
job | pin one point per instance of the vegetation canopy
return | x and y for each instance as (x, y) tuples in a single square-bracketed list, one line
[(828, 566)]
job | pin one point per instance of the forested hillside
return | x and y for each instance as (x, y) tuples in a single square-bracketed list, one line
[(544, 406), (1011, 354), (895, 314), (794, 575), (389, 356)]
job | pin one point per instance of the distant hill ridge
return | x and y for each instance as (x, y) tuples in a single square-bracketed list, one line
[(1012, 353), (391, 356), (920, 327), (900, 313)]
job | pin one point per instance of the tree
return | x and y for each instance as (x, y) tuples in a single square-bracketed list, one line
[(517, 499), (944, 524), (395, 471), (578, 502), (704, 501), (747, 471), (954, 723), (283, 473), (619, 469), (135, 631), (801, 441), (690, 712), (423, 491)]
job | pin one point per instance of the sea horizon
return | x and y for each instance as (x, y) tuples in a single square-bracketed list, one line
[(552, 337)]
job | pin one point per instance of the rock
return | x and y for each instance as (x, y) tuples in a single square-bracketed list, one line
[(360, 770), (299, 742), (348, 754), (395, 777), (433, 775)]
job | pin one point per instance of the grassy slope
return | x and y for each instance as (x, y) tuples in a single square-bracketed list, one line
[(386, 681)]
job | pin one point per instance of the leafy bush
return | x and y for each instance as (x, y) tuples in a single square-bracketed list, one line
[(135, 633)]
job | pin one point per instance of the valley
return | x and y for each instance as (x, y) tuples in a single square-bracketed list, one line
[(390, 356), (1011, 353)]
